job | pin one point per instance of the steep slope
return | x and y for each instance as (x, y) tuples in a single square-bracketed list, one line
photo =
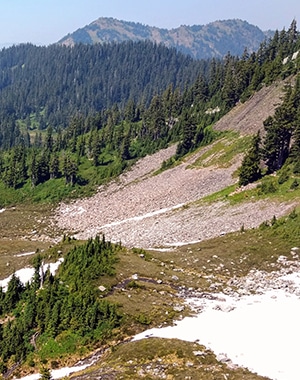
[(149, 210), (200, 41), (247, 118)]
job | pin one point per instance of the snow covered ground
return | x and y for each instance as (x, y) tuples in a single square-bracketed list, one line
[(25, 274), (57, 373), (260, 332)]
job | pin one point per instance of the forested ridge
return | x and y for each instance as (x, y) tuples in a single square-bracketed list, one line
[(81, 115), (55, 82)]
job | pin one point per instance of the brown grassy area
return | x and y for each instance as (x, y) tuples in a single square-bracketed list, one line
[(165, 359), (23, 229)]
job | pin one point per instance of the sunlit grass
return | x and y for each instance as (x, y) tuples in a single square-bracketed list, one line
[(222, 152)]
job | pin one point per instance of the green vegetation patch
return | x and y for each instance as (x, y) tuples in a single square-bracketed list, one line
[(222, 152), (166, 358), (58, 315)]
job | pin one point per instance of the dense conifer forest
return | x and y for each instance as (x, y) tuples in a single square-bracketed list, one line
[(56, 82), (81, 115), (50, 305)]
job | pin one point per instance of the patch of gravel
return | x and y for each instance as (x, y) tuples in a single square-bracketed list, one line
[(145, 210), (247, 118)]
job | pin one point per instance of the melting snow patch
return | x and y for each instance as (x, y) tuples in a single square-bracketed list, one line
[(57, 373), (182, 243), (141, 217), (259, 332), (25, 274), (25, 254)]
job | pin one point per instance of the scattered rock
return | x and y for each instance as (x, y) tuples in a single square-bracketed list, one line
[(153, 214), (199, 353), (179, 308)]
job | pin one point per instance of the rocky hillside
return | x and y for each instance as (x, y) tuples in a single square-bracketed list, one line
[(247, 118), (200, 41), (146, 209)]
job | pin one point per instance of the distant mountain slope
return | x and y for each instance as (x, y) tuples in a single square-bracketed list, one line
[(200, 41)]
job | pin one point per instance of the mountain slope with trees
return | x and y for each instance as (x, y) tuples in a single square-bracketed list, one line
[(198, 187), (56, 82), (215, 39), (54, 131)]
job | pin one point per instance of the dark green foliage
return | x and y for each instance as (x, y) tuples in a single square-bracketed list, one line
[(65, 303), (283, 176), (268, 186), (282, 129), (278, 136), (250, 170), (295, 184), (188, 128), (45, 373), (296, 168), (61, 80), (89, 261), (69, 170), (13, 293)]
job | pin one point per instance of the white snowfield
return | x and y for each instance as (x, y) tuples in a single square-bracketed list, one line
[(57, 373), (260, 332)]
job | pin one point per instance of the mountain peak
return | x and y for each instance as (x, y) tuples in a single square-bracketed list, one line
[(200, 41)]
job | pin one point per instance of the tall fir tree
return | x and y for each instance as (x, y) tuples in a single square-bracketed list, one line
[(250, 170)]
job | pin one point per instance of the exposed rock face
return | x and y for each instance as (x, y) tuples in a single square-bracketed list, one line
[(247, 118)]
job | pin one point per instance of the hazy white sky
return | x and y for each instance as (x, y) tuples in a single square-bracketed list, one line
[(47, 21)]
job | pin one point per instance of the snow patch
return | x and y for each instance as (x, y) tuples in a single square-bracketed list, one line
[(25, 254), (25, 274), (57, 373), (259, 332)]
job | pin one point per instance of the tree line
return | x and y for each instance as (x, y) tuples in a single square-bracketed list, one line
[(281, 142)]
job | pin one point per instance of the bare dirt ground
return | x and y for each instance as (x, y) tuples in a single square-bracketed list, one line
[(146, 210)]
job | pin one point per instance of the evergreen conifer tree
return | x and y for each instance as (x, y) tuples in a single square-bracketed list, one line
[(250, 170)]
